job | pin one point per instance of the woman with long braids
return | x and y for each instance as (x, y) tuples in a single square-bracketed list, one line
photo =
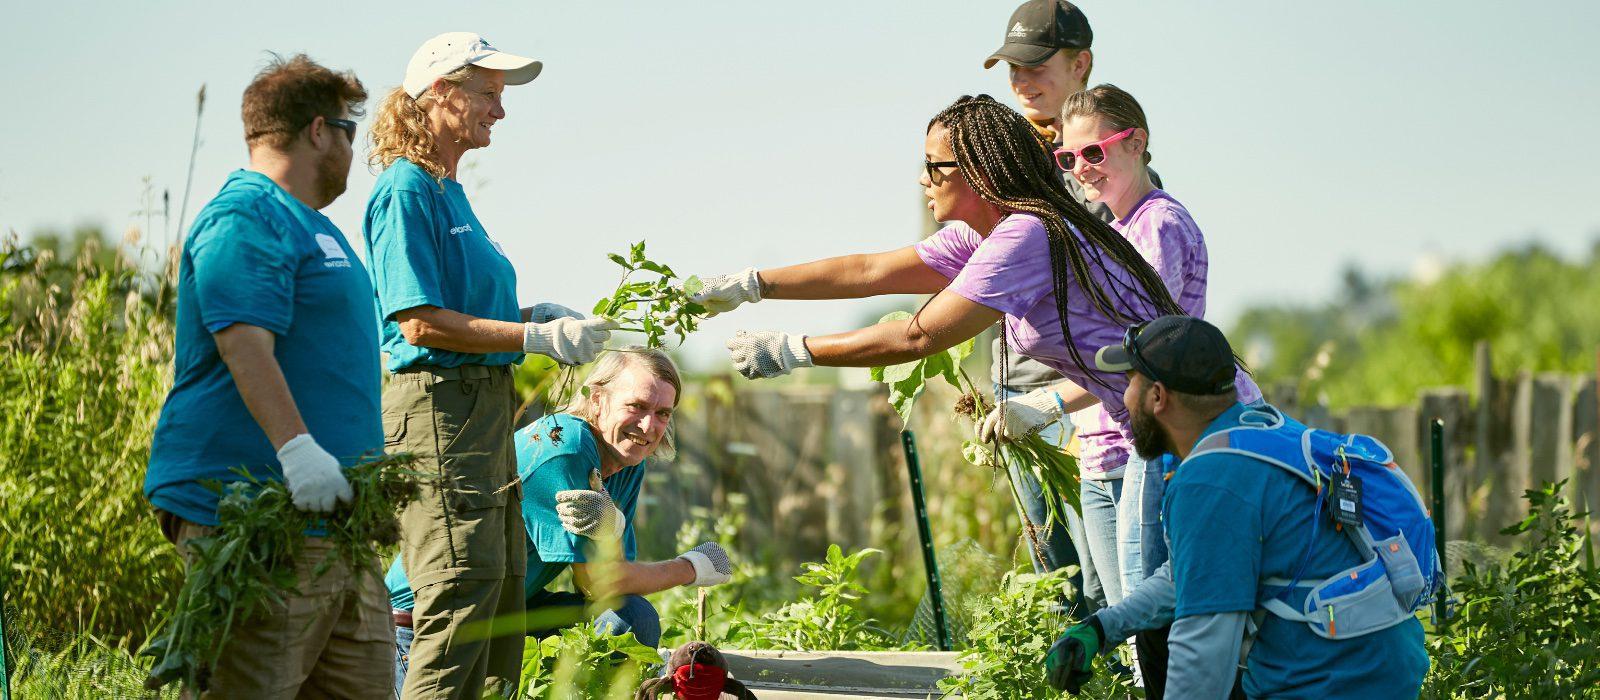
[(1018, 248)]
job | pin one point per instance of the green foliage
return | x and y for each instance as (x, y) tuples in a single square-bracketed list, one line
[(828, 618), (1056, 471), (582, 662), (1015, 628), (85, 361), (1525, 629), (654, 306), (907, 379), (1382, 342), (726, 621), (249, 562), (69, 669)]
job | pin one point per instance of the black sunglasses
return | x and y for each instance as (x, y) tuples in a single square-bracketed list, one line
[(348, 126), (932, 166)]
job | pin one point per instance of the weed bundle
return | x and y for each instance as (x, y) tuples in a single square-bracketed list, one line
[(248, 563), (1056, 471)]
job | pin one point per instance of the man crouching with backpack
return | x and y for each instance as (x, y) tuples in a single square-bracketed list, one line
[(1324, 576)]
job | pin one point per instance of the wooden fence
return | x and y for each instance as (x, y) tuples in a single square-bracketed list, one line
[(1505, 435), (821, 464)]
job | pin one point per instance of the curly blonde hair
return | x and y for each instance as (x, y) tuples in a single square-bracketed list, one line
[(400, 129)]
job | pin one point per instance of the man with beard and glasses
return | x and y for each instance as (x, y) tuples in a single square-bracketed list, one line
[(1238, 529), (277, 374)]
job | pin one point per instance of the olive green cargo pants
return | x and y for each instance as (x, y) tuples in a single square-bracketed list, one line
[(462, 541)]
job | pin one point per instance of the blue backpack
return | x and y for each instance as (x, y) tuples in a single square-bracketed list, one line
[(1400, 571)]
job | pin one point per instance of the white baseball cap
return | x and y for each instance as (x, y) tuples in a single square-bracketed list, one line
[(448, 52)]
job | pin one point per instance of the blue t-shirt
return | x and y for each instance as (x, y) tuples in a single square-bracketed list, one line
[(426, 248), (258, 256), (555, 453), (1234, 521)]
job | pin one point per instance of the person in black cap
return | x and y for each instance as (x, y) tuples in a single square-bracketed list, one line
[(1047, 48), (1236, 527)]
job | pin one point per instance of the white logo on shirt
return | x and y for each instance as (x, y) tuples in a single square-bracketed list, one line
[(464, 228), (332, 252)]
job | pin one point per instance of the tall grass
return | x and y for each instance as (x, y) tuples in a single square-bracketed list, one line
[(85, 361)]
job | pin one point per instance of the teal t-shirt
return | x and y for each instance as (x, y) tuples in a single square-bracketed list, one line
[(555, 453), (425, 247), (1233, 522), (258, 256)]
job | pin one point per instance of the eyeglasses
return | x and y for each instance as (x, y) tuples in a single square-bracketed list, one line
[(1093, 154), (935, 175), (348, 126)]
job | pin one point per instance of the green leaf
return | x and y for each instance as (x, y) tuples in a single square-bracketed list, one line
[(636, 253), (618, 259), (693, 285)]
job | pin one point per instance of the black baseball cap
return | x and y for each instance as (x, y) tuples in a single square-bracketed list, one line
[(1183, 352), (1038, 28)]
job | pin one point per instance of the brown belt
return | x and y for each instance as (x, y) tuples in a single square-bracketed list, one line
[(402, 618)]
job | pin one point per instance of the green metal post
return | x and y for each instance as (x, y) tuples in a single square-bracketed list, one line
[(5, 667), (1437, 428), (929, 562)]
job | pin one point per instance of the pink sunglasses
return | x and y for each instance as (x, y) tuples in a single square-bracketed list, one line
[(1093, 154)]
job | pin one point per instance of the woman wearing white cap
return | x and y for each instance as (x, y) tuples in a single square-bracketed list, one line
[(451, 326)]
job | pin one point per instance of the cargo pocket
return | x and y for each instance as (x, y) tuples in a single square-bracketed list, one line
[(478, 524), (394, 429)]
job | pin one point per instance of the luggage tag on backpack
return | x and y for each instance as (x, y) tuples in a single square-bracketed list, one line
[(1344, 498)]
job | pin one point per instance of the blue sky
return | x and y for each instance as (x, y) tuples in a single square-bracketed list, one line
[(1303, 136)]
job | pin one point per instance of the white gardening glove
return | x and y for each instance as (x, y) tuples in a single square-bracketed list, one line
[(766, 354), (314, 477), (711, 565), (570, 341), (1021, 416), (590, 512), (545, 313), (726, 292)]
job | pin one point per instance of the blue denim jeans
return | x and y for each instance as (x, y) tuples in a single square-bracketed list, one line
[(1141, 546), (634, 614), (1102, 584), (1059, 545)]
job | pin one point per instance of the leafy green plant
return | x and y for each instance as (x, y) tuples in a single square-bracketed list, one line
[(718, 615), (1527, 628), (829, 618), (1056, 471), (85, 362), (80, 667), (582, 662), (1006, 646), (654, 303), (248, 562)]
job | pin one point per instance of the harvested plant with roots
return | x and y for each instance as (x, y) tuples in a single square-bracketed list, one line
[(247, 564), (1055, 470), (649, 300)]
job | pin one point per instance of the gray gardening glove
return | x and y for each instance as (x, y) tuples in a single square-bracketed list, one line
[(1021, 416), (570, 341), (766, 354), (547, 312), (726, 292), (711, 565), (590, 512), (313, 476)]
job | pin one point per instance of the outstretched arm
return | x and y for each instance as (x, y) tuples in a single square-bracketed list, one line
[(632, 578), (854, 276), (946, 320)]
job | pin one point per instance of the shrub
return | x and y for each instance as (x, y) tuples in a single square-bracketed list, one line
[(1525, 628), (85, 361)]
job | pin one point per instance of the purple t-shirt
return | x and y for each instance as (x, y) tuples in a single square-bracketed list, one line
[(1009, 271), (1168, 238)]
